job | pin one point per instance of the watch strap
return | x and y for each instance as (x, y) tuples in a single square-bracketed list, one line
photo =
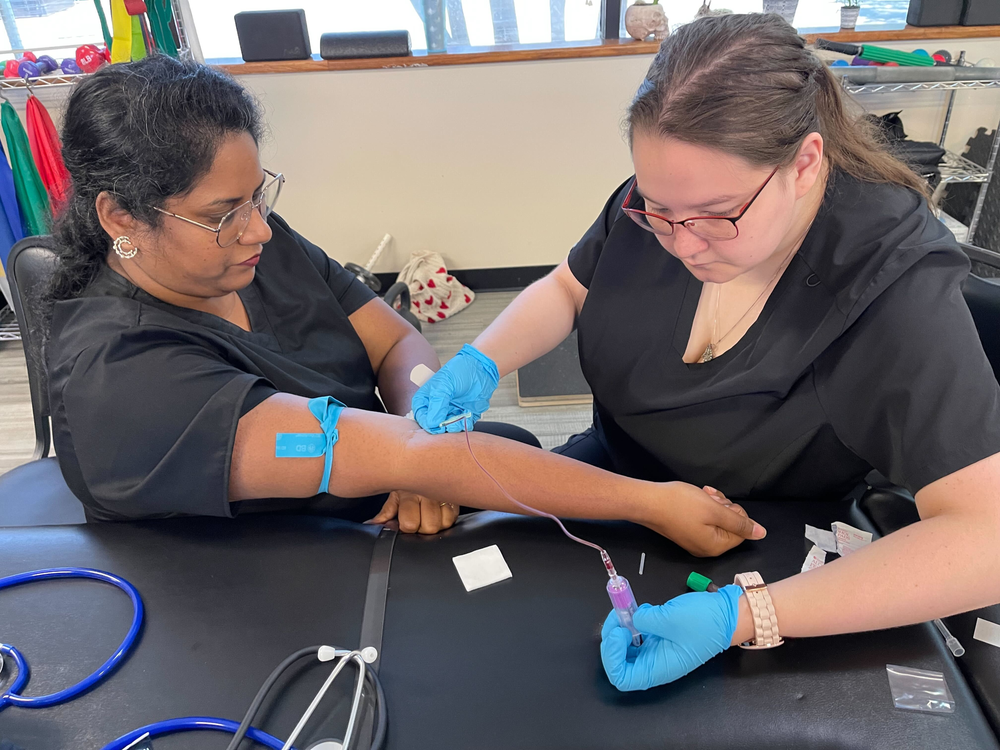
[(765, 621)]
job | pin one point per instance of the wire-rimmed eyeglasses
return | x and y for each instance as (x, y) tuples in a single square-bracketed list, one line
[(235, 223)]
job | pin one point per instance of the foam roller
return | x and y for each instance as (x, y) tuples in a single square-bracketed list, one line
[(875, 54), (344, 45)]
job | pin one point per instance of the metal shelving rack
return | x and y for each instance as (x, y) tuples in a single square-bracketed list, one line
[(9, 330), (41, 82), (955, 168)]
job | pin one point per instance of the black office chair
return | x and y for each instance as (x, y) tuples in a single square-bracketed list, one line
[(35, 494)]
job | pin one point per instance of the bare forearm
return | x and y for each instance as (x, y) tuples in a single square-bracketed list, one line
[(388, 453), (442, 465), (935, 568), (394, 384), (536, 322), (379, 453)]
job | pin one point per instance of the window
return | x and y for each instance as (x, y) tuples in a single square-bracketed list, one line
[(59, 26), (55, 27), (477, 23), (810, 15), (484, 23)]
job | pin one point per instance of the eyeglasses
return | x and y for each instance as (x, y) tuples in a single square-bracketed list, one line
[(235, 223), (706, 227)]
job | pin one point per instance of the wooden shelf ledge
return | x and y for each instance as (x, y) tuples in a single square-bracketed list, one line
[(572, 50)]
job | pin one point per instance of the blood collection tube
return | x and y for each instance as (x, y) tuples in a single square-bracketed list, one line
[(698, 582), (623, 601)]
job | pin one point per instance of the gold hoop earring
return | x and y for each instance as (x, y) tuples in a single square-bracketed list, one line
[(123, 240)]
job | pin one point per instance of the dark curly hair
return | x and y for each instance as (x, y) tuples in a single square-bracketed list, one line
[(143, 132)]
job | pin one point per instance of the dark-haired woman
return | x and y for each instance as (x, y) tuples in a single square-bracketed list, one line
[(206, 359), (769, 307)]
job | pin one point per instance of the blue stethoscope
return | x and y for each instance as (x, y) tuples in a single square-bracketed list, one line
[(12, 695), (190, 724)]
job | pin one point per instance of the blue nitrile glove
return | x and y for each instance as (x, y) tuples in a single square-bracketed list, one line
[(464, 384), (678, 637)]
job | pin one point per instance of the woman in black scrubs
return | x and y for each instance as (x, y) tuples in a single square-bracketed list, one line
[(193, 329), (770, 307)]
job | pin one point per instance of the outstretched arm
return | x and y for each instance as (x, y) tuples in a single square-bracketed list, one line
[(379, 452), (944, 564)]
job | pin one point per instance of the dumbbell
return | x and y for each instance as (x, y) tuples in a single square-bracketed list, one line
[(397, 296), (364, 273)]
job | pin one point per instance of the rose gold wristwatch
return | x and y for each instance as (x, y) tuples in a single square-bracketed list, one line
[(765, 622)]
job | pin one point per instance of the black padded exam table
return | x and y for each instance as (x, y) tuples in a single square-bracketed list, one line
[(226, 601), (515, 665)]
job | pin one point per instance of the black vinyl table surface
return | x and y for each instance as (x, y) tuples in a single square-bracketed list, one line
[(513, 665), (981, 662), (517, 664), (225, 600)]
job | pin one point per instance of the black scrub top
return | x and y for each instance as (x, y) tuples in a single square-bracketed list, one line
[(865, 356), (146, 396)]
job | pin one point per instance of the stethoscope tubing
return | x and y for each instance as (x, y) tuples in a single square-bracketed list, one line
[(190, 724), (12, 695)]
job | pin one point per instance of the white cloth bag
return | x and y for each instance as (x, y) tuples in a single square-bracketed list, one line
[(434, 293)]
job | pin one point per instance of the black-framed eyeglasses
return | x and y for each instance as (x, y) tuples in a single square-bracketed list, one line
[(235, 223), (706, 227)]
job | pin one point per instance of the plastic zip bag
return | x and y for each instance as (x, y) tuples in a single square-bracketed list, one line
[(919, 690)]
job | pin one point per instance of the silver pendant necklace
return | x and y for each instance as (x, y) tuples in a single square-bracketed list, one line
[(709, 353)]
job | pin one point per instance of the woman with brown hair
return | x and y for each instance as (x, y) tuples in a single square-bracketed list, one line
[(769, 307)]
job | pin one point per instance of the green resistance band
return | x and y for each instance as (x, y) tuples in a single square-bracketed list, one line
[(138, 43), (104, 23), (160, 17)]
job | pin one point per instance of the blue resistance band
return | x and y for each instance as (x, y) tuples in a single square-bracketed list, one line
[(327, 410), (12, 695)]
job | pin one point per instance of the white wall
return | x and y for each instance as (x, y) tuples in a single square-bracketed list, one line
[(492, 165)]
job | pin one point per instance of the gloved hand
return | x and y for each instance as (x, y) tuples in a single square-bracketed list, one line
[(678, 637), (464, 384)]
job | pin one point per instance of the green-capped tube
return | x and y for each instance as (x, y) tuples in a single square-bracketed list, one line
[(698, 582)]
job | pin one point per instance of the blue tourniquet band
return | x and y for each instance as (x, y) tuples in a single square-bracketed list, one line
[(327, 411)]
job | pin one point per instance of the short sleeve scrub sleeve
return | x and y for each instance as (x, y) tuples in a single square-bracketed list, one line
[(146, 396)]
